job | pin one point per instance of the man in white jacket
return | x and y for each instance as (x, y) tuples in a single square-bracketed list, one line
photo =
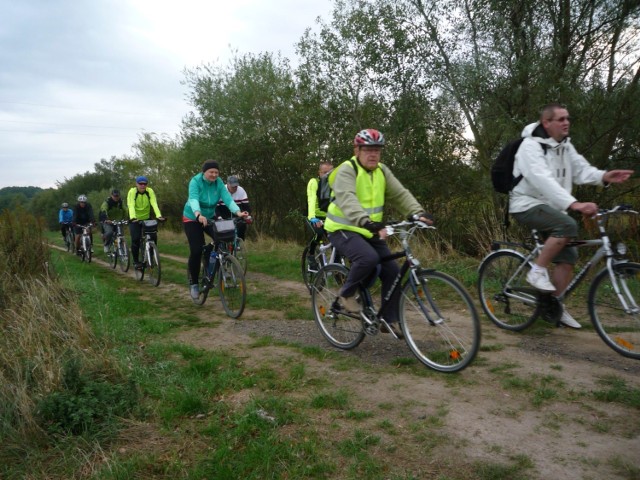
[(550, 165)]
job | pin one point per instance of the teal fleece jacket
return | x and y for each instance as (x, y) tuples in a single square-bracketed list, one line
[(205, 195)]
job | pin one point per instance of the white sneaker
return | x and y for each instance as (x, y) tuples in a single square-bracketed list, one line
[(568, 320), (194, 291), (106, 249), (350, 304), (539, 279)]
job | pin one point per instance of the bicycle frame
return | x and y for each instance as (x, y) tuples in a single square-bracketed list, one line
[(605, 251), (411, 264)]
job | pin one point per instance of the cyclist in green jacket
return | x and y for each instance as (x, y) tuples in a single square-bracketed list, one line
[(140, 200), (362, 187), (316, 213)]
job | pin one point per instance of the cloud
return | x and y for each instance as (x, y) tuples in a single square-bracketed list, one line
[(80, 81)]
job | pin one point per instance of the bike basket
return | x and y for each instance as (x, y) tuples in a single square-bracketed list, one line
[(224, 230), (150, 226)]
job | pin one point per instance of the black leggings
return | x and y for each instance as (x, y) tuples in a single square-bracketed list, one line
[(195, 236)]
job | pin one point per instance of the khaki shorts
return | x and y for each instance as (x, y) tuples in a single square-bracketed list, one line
[(551, 223)]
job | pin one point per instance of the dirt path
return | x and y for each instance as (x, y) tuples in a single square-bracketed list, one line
[(527, 399)]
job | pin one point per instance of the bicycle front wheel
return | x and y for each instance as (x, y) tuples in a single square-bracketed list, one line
[(508, 300), (240, 252), (153, 268), (70, 241), (231, 285), (439, 321), (113, 254), (308, 273), (340, 330), (123, 256), (617, 324)]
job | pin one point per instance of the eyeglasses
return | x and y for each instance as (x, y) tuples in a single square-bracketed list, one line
[(561, 119), (142, 183)]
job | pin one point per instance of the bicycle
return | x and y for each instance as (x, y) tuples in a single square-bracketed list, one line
[(150, 257), (118, 250), (613, 296), (223, 270), (324, 253), (437, 316), (237, 246), (86, 248), (69, 236)]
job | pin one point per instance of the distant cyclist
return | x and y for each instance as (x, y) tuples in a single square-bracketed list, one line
[(65, 215), (206, 189), (140, 200), (83, 215), (111, 210), (241, 199), (316, 211)]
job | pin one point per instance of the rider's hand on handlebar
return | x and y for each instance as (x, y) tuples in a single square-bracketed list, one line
[(423, 217), (588, 209)]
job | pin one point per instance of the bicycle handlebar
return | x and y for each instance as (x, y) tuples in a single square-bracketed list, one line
[(623, 207), (406, 226)]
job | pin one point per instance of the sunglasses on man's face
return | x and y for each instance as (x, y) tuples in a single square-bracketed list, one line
[(142, 183)]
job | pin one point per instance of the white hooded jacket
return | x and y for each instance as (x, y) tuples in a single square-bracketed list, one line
[(548, 173)]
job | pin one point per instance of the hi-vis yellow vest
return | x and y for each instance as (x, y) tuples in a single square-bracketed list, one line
[(370, 188)]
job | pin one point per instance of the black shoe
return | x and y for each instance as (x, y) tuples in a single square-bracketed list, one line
[(392, 328), (138, 265)]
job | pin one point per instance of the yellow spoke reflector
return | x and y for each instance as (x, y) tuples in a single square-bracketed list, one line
[(623, 343)]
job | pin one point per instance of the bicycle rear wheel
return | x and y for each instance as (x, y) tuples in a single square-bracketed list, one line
[(341, 331), (240, 252), (231, 285), (440, 322), (510, 303), (153, 268), (123, 256), (619, 329)]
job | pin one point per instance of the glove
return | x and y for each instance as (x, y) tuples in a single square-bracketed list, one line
[(314, 221), (416, 216), (374, 227)]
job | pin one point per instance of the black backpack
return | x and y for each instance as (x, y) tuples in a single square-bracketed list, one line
[(502, 171), (324, 193), (502, 168)]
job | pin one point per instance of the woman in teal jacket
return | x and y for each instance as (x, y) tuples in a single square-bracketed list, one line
[(206, 189)]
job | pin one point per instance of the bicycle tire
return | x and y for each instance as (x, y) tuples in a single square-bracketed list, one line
[(86, 249), (153, 269), (240, 252), (342, 331), (500, 305), (439, 321), (232, 287), (308, 274), (204, 285), (113, 254), (618, 329), (70, 241), (123, 256)]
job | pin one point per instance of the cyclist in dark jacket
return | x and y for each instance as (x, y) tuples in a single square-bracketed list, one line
[(82, 215), (111, 210)]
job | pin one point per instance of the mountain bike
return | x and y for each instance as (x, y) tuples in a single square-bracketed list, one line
[(149, 250), (222, 270), (436, 314), (325, 254), (118, 250), (86, 248), (69, 236), (613, 297), (237, 246)]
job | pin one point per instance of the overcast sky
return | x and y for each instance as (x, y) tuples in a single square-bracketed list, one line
[(81, 80)]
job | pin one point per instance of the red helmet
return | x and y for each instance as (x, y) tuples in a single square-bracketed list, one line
[(369, 137)]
